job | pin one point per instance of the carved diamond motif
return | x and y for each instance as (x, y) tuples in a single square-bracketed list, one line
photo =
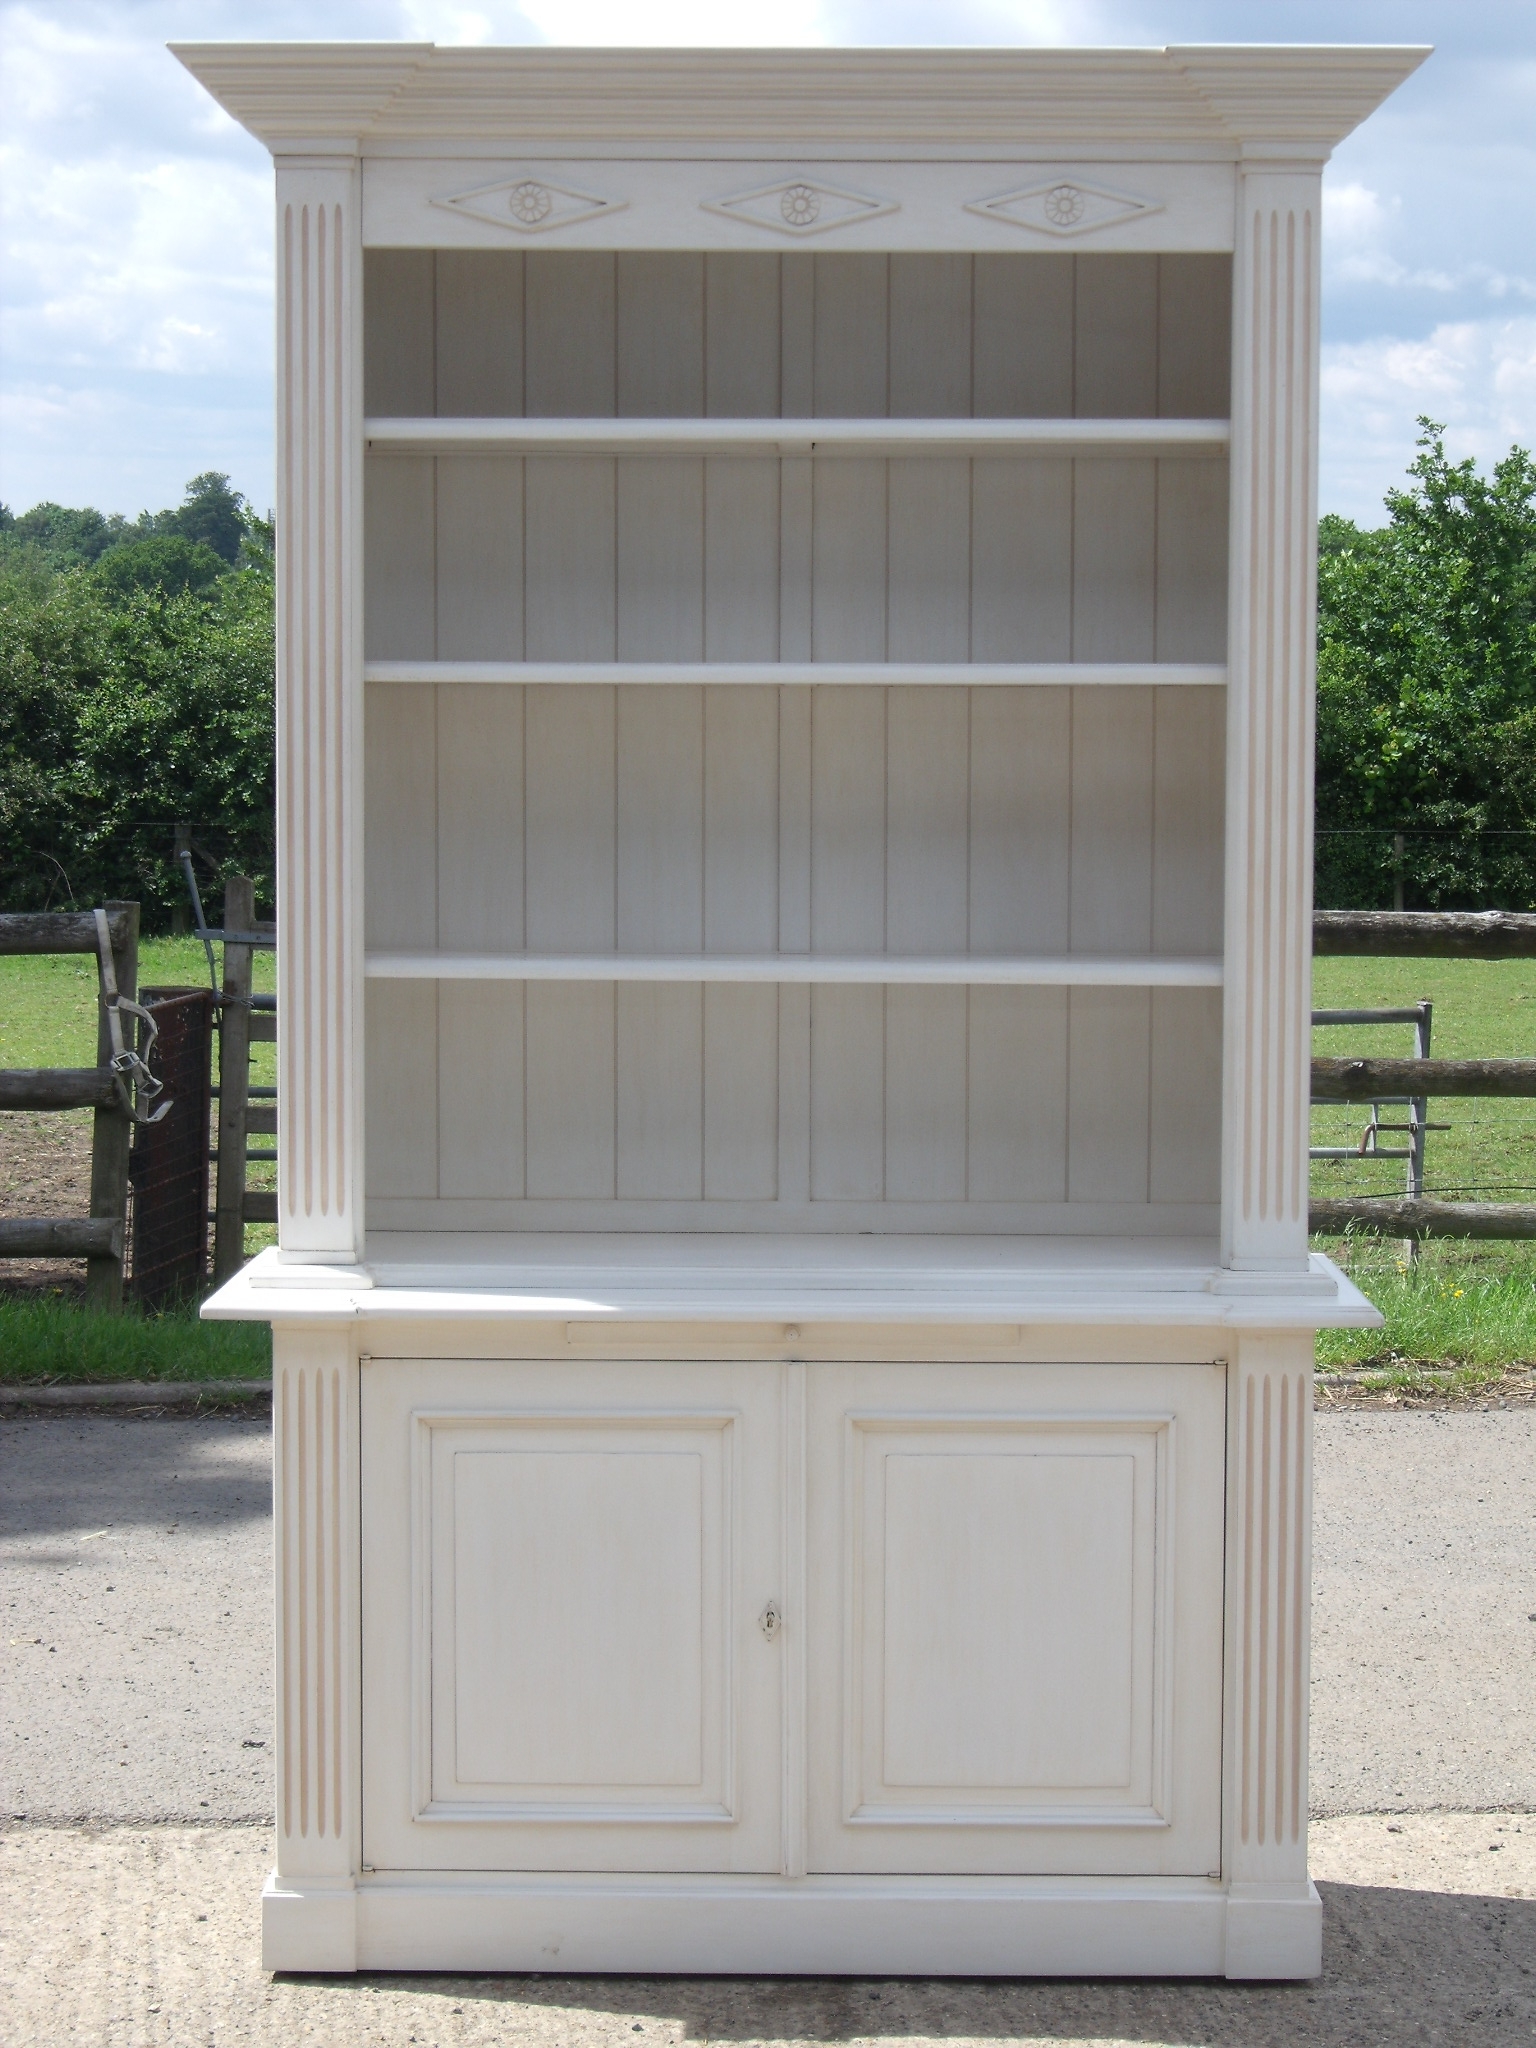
[(1064, 207), (529, 204), (801, 206)]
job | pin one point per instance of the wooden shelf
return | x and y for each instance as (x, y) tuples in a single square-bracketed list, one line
[(1080, 970), (925, 674), (823, 437)]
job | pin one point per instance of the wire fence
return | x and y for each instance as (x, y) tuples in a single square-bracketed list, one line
[(139, 861), (1375, 869)]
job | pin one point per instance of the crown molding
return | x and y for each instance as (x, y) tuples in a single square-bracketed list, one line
[(364, 95), (1287, 93)]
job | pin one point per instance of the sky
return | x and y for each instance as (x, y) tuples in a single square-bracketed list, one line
[(136, 231)]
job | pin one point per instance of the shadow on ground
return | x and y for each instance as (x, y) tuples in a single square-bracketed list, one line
[(58, 1475), (1399, 1966)]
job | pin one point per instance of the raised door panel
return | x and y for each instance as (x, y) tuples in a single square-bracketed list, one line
[(1015, 1619), (563, 1664)]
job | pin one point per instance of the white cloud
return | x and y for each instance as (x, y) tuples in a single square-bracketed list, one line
[(113, 256), (678, 22), (440, 21), (1476, 376), (1358, 227), (137, 218)]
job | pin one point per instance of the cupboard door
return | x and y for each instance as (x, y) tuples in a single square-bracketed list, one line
[(1015, 1587), (565, 1569)]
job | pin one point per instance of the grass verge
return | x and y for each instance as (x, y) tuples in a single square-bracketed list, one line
[(59, 1342), (1467, 1308)]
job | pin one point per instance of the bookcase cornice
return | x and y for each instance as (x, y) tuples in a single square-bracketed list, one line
[(294, 95)]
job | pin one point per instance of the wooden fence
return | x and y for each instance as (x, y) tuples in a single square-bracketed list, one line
[(246, 1111), (99, 1238), (1423, 934)]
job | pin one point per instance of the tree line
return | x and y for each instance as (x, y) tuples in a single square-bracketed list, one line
[(1426, 691), (136, 693)]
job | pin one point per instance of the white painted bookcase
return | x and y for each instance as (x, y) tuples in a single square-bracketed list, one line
[(795, 626)]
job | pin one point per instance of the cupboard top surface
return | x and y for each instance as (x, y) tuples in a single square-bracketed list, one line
[(1192, 99), (735, 1279)]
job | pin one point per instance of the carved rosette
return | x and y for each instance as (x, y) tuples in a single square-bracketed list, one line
[(1064, 206)]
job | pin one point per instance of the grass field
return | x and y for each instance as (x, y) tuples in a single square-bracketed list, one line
[(48, 1001), (1471, 1306), (53, 1341), (48, 1019), (1483, 1009)]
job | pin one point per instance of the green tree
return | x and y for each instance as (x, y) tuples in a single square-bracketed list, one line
[(61, 535), (161, 561), (178, 725), (211, 513), (128, 704), (52, 650), (1427, 689)]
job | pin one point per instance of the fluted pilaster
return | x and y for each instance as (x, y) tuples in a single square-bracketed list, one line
[(1269, 1594), (315, 1438), (319, 696), (1270, 718)]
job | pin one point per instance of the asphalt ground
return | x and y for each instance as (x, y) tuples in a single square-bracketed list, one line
[(135, 1562)]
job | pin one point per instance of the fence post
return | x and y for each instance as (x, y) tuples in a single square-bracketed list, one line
[(114, 1126), (234, 1081)]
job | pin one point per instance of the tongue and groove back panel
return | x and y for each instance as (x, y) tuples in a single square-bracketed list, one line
[(836, 819)]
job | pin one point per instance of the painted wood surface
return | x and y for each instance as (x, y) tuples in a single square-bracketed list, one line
[(1270, 762), (591, 558), (697, 819), (992, 558), (319, 709), (1015, 1601), (968, 1712), (570, 1524), (881, 674), (552, 333), (1034, 1692), (318, 1572), (995, 823)]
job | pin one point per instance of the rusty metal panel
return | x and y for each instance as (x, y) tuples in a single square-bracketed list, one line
[(169, 1167)]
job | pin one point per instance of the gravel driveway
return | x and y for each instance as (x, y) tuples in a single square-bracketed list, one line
[(135, 1558)]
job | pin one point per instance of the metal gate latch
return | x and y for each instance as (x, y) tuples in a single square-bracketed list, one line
[(770, 1621)]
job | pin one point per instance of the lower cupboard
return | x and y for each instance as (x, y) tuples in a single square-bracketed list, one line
[(765, 1617)]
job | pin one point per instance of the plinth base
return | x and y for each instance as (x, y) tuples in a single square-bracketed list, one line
[(823, 1926)]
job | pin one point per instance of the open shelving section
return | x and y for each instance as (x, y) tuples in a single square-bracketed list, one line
[(795, 758)]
